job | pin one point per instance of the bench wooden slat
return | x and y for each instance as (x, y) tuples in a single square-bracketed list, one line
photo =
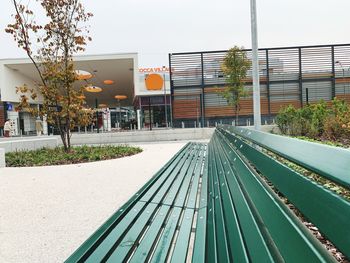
[(253, 238), (164, 242), (193, 190), (130, 239), (143, 251), (107, 244), (181, 246), (223, 253), (234, 234), (201, 224), (157, 191), (210, 254), (179, 187)]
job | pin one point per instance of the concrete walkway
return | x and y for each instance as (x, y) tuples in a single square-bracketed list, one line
[(47, 212)]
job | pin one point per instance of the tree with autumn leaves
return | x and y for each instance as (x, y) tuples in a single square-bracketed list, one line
[(51, 46)]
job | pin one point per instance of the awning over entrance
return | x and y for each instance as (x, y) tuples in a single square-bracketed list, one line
[(114, 73)]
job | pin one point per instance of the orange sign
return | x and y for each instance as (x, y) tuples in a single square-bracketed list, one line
[(154, 82)]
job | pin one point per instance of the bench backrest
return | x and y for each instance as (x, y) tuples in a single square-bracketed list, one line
[(329, 161), (327, 210)]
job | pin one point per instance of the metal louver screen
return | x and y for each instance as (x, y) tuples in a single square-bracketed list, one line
[(288, 75)]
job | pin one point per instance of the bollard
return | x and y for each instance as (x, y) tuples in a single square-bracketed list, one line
[(265, 122), (207, 123), (182, 124), (216, 124), (195, 125), (2, 158)]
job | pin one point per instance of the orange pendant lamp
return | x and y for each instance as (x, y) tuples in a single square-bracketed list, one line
[(93, 89), (120, 97), (108, 82), (83, 75)]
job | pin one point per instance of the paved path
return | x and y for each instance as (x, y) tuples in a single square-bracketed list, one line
[(47, 212)]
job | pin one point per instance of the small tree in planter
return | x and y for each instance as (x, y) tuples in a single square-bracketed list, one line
[(235, 67), (56, 41)]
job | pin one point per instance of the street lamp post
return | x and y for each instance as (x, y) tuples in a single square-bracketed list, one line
[(343, 69), (255, 62), (341, 65), (165, 103)]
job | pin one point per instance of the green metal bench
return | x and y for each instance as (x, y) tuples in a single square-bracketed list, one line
[(156, 223), (215, 203)]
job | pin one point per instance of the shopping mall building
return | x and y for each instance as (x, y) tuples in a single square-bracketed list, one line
[(125, 95), (186, 93)]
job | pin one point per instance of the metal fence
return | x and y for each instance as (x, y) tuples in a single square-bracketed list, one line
[(288, 76)]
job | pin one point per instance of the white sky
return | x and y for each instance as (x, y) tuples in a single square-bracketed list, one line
[(154, 28)]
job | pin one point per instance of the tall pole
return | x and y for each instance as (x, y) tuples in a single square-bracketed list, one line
[(150, 113), (255, 62), (120, 115), (165, 103)]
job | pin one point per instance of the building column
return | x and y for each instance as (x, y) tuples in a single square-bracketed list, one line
[(138, 116), (45, 127), (107, 120)]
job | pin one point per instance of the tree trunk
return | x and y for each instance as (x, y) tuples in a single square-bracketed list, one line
[(68, 136), (63, 134), (236, 112), (64, 140)]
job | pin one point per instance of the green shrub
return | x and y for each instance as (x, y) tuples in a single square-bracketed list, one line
[(292, 121), (286, 118), (58, 156), (317, 121), (337, 124), (320, 112)]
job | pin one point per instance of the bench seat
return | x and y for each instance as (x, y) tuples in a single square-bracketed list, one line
[(156, 223)]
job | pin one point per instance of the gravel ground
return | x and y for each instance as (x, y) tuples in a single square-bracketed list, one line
[(47, 212)]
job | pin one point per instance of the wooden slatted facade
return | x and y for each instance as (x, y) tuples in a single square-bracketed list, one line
[(288, 76)]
